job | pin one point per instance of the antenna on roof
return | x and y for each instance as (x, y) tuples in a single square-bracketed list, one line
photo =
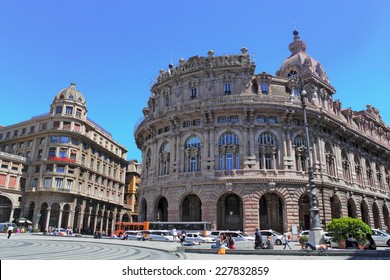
[(295, 24)]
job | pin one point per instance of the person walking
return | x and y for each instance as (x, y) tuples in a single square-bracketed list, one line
[(10, 229), (174, 233), (258, 239), (286, 240)]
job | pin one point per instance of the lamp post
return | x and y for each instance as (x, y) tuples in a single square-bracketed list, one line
[(315, 234)]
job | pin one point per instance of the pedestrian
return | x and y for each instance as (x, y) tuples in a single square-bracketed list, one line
[(286, 240), (351, 243), (269, 244), (258, 239), (183, 235), (10, 229), (370, 245), (174, 233), (231, 242)]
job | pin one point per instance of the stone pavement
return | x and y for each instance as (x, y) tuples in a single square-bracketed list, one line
[(203, 251)]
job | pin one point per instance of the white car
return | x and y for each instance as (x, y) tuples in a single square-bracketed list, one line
[(133, 234), (380, 237), (276, 236), (160, 235), (199, 237), (237, 235)]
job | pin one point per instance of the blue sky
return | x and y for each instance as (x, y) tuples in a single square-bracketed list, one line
[(113, 50)]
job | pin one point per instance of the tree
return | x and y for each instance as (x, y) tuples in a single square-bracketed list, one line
[(342, 227)]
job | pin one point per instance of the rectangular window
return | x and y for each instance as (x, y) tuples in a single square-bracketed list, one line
[(64, 139), (268, 161), (23, 131), (66, 126), (193, 93), (49, 168), (222, 119), (234, 119), (58, 109), (77, 127), (43, 126), (59, 183), (193, 164), (196, 123), (237, 161), (15, 133), (221, 162), (78, 113), (264, 88), (52, 152), (1, 136), (39, 155), (34, 183), (229, 161), (47, 183), (92, 163), (186, 124), (29, 143), (32, 129), (56, 125), (69, 110), (60, 169), (69, 184), (62, 153), (227, 88), (53, 139)]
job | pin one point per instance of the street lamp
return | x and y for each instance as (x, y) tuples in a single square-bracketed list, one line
[(315, 234)]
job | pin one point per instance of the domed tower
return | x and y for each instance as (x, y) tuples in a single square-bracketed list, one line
[(69, 102), (301, 67)]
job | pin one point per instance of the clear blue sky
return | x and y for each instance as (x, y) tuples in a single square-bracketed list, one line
[(114, 49)]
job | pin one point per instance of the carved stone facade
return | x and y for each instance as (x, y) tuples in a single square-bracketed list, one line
[(223, 144), (72, 172)]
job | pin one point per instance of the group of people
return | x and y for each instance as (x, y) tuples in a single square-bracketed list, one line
[(224, 241), (179, 237), (351, 243)]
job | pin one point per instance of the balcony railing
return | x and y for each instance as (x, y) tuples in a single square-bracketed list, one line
[(62, 159)]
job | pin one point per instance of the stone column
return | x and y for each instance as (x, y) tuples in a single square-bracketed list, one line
[(60, 217), (47, 219), (11, 215)]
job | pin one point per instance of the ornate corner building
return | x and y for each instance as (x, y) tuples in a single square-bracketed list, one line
[(61, 169), (222, 144)]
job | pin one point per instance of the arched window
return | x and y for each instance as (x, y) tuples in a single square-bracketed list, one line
[(164, 158), (192, 154), (268, 150), (229, 152), (299, 141)]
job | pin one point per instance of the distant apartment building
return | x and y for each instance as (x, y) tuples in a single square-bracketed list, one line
[(62, 169), (133, 174), (223, 144)]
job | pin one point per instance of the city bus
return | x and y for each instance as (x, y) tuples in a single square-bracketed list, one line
[(203, 227)]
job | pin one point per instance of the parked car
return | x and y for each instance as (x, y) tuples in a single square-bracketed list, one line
[(327, 235), (160, 235), (380, 237), (199, 237), (58, 231), (133, 234), (276, 236), (237, 235)]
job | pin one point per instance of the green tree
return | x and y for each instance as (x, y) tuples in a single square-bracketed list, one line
[(342, 227)]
